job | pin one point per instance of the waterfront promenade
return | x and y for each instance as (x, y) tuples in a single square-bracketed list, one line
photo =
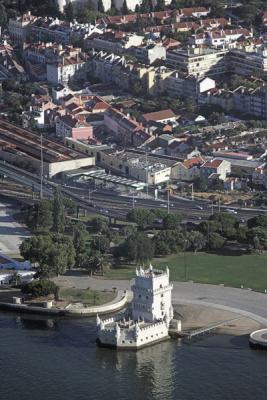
[(245, 302)]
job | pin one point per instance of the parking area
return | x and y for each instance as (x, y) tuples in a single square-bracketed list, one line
[(11, 232)]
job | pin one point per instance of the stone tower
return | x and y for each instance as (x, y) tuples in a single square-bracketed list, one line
[(152, 296)]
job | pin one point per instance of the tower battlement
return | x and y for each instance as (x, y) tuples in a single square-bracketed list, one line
[(150, 314)]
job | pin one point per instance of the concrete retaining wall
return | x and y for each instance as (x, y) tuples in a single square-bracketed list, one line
[(116, 305), (71, 309)]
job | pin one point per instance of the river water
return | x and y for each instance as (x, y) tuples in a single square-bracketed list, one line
[(58, 360)]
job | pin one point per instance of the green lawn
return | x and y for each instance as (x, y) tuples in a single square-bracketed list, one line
[(232, 270), (86, 296)]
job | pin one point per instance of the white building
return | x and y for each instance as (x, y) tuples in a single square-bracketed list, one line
[(150, 315), (19, 27), (131, 4), (62, 72), (149, 54), (6, 277), (148, 169), (198, 61)]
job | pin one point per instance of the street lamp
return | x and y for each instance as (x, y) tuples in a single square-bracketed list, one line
[(168, 200), (133, 199), (146, 175), (42, 167), (185, 261)]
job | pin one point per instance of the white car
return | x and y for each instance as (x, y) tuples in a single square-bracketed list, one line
[(231, 211)]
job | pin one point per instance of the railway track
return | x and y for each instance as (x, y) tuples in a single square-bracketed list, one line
[(29, 143)]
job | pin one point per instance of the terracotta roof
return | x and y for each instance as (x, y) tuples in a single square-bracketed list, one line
[(159, 115), (212, 164), (188, 12), (191, 162)]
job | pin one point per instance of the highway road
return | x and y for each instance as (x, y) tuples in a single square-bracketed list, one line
[(114, 205)]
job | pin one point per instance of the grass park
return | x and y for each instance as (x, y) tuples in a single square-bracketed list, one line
[(86, 296), (249, 270)]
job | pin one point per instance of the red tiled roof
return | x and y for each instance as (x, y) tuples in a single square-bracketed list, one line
[(159, 115), (191, 162), (212, 164), (188, 12)]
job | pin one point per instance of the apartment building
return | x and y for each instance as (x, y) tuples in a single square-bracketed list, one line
[(67, 126), (19, 27), (58, 31), (199, 62), (149, 54), (181, 85), (249, 60), (111, 68), (247, 101), (220, 38), (126, 130), (70, 66), (251, 101), (114, 42)]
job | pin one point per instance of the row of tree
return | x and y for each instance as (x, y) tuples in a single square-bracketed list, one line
[(212, 235)]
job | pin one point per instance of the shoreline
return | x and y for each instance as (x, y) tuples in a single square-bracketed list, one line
[(192, 316), (200, 316)]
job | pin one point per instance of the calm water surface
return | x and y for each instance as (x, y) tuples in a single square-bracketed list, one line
[(58, 360)]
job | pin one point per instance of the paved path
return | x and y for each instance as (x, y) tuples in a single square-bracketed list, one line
[(245, 302), (11, 232)]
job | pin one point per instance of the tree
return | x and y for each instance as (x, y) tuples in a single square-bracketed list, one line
[(145, 7), (80, 235), (141, 216), (257, 238), (52, 254), (42, 287), (138, 248), (216, 118), (160, 5), (259, 220), (69, 12), (58, 212), (201, 184), (229, 224), (169, 241), (128, 230), (113, 7), (98, 262), (100, 225), (197, 240), (124, 8), (215, 241), (40, 215), (209, 227), (100, 6), (3, 16), (101, 244), (15, 279), (172, 221)]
